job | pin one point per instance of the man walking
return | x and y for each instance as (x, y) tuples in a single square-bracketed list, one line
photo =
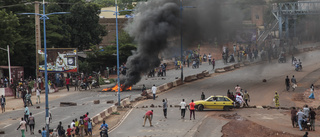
[(191, 108), (312, 115), (287, 83), (300, 118), (165, 106), (3, 103), (183, 108), (26, 113), (209, 58), (154, 91), (246, 97), (31, 124), (23, 127), (148, 116)]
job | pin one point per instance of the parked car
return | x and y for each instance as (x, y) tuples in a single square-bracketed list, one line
[(215, 102)]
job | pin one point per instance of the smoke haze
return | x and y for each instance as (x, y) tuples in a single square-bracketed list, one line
[(158, 21)]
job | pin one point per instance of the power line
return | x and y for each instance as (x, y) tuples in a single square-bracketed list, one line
[(27, 3)]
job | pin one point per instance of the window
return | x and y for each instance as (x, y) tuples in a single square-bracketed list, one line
[(257, 17)]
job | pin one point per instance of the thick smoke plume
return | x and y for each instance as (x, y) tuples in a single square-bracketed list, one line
[(157, 22), (154, 23)]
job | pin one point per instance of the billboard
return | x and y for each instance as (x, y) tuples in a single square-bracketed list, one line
[(59, 60)]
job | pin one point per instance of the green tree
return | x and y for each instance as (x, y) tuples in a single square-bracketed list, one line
[(8, 33), (84, 23)]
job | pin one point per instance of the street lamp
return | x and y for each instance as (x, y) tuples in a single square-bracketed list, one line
[(181, 8), (117, 12), (44, 17), (9, 65)]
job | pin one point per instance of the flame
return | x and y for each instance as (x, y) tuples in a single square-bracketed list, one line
[(115, 88)]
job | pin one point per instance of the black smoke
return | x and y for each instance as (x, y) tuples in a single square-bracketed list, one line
[(157, 23), (154, 23)]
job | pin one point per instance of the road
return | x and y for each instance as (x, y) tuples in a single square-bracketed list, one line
[(249, 78), (10, 120)]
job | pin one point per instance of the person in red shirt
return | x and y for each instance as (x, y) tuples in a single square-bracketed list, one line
[(67, 82), (69, 131), (148, 116), (191, 108)]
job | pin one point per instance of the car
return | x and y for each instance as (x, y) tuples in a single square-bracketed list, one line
[(215, 102)]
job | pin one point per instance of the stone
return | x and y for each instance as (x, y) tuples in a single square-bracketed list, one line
[(151, 105), (110, 102), (65, 104), (96, 102)]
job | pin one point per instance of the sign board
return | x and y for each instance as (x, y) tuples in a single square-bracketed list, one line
[(59, 60)]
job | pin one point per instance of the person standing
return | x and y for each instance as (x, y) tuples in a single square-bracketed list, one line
[(183, 108), (191, 108), (90, 127), (81, 126), (237, 88), (28, 98), (312, 115), (44, 132), (86, 119), (31, 124), (59, 128), (26, 113), (67, 83), (312, 92), (300, 115), (148, 116), (294, 83), (287, 81), (246, 97), (69, 131), (76, 84), (143, 88), (276, 99), (154, 91), (209, 59), (213, 63), (23, 127), (293, 116), (306, 111), (203, 97), (38, 91), (3, 103), (165, 107)]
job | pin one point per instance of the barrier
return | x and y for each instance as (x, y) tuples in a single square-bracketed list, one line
[(236, 65), (200, 76), (219, 70)]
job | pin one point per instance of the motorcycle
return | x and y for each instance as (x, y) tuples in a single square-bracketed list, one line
[(95, 84), (298, 67), (160, 72), (104, 132)]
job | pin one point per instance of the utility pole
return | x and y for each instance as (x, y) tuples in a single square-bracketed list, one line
[(38, 36)]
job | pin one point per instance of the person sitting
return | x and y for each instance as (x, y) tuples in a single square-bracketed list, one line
[(104, 129)]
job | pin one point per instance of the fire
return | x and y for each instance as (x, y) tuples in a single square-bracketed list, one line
[(115, 88)]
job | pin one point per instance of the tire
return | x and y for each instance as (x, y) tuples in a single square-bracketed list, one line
[(200, 107), (226, 108)]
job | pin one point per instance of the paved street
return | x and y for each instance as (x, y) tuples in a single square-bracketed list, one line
[(249, 78)]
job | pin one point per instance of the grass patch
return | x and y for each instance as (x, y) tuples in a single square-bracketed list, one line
[(115, 113)]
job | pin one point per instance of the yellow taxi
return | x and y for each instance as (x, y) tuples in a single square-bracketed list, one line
[(214, 102)]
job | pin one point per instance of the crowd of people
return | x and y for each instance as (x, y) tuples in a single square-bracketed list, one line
[(81, 127), (241, 96), (303, 118)]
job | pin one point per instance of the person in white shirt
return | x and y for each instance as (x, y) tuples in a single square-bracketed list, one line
[(183, 108), (38, 95), (209, 57), (22, 126), (154, 91), (72, 123)]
